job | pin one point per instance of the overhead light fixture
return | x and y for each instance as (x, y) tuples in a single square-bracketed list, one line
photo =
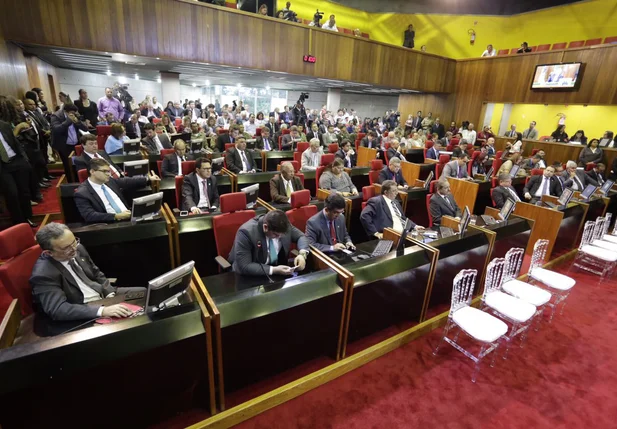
[(239, 85), (108, 73), (159, 80), (267, 88), (122, 79), (157, 58), (136, 76), (194, 84), (134, 56), (207, 83)]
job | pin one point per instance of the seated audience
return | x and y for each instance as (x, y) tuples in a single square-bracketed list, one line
[(512, 131), (517, 146), (394, 151), (172, 163), (534, 162), (347, 154), (609, 136), (250, 126), (315, 134), (578, 138), (90, 151), (262, 246), (65, 279), (591, 154), (170, 128), (524, 48), (531, 133), (517, 159), (542, 185), (385, 211), (326, 230), (370, 140), (186, 125), (153, 142), (274, 127), (461, 149), (490, 147), (239, 160), (100, 200), (283, 184), (560, 135), (329, 136), (504, 191), (174, 111), (150, 112), (334, 178), (311, 158), (199, 189), (558, 167), (264, 141), (115, 141), (330, 25), (414, 141), (433, 152), (134, 128), (290, 141), (192, 112), (392, 171), (485, 134), (598, 173), (489, 51), (480, 162), (226, 138), (457, 168), (442, 203), (576, 179)]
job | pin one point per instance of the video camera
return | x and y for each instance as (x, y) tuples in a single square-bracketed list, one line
[(303, 97), (291, 16), (318, 16)]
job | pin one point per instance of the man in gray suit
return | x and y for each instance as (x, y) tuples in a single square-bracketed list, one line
[(576, 179), (326, 230), (457, 168), (64, 279), (442, 204), (531, 133), (262, 244)]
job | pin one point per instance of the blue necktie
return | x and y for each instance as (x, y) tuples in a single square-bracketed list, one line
[(112, 203), (273, 255)]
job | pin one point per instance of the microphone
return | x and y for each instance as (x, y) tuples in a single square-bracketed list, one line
[(262, 266)]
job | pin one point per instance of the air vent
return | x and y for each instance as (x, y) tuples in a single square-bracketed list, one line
[(131, 63)]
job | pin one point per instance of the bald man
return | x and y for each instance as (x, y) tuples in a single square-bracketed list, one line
[(172, 163)]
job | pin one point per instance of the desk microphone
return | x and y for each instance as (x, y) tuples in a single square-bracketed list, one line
[(262, 266)]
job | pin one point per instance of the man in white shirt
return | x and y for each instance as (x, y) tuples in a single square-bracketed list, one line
[(250, 126), (330, 25), (489, 52), (469, 134), (65, 279), (311, 158), (156, 104)]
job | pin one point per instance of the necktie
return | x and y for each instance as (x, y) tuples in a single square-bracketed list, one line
[(272, 250), (204, 184), (110, 199), (245, 160), (84, 278), (600, 179), (266, 145), (332, 232), (516, 198), (398, 213), (288, 189), (449, 203), (578, 183), (114, 172), (460, 172), (545, 186)]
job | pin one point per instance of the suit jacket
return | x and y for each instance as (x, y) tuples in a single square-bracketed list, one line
[(386, 174), (224, 139), (416, 123), (353, 158), (60, 128), (277, 188), (9, 137), (234, 161), (170, 164), (587, 155), (501, 194), (438, 208), (157, 113), (187, 112), (83, 162), (306, 160), (130, 129), (535, 182), (431, 153), (451, 170), (287, 143), (530, 134), (41, 122), (56, 293), (259, 143), (274, 128), (511, 133), (91, 206), (286, 117), (311, 135), (440, 130), (374, 143), (393, 153), (190, 191), (151, 145), (174, 113), (583, 178), (249, 253), (376, 215), (318, 232), (599, 178)]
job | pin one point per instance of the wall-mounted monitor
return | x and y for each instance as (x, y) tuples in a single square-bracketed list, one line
[(558, 77)]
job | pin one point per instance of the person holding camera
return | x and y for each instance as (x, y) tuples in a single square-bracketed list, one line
[(65, 127), (316, 19)]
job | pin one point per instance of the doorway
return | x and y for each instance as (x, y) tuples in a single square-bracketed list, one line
[(52, 90)]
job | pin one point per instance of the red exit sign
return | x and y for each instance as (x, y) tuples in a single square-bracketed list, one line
[(309, 59)]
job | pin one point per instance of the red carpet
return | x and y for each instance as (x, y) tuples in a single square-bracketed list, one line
[(564, 377), (50, 202)]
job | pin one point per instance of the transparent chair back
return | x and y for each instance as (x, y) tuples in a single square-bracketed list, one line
[(462, 289), (539, 253), (607, 222), (494, 276), (514, 262), (598, 229), (587, 233)]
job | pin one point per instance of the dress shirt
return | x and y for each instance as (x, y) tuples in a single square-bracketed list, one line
[(9, 150), (267, 144), (203, 197), (329, 223), (250, 128), (110, 105), (542, 184), (470, 136), (514, 196), (143, 120), (180, 160), (326, 26), (577, 185), (486, 53), (137, 129), (113, 144), (396, 220), (245, 166), (89, 293), (159, 145), (516, 147), (277, 246), (108, 208)]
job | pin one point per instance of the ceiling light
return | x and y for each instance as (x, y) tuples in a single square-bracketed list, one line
[(122, 79), (267, 88), (136, 76), (157, 58), (159, 80), (207, 83), (134, 56), (239, 85), (194, 84), (108, 73)]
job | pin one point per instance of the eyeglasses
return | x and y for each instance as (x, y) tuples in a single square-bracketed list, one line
[(70, 247), (105, 171)]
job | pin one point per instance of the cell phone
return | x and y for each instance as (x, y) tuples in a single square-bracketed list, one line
[(184, 213), (295, 268)]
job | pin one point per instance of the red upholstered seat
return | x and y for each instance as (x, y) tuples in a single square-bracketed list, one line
[(103, 130), (19, 250), (302, 146), (376, 164), (612, 39), (188, 167), (498, 154), (285, 131), (233, 202), (318, 174), (376, 167), (258, 132), (428, 210), (327, 159), (492, 199), (301, 177), (474, 155), (79, 149), (368, 192), (280, 142), (542, 48), (296, 164), (156, 120), (443, 159), (592, 42), (299, 216), (576, 44), (100, 141), (494, 181), (222, 131), (455, 141), (438, 170), (428, 144), (179, 182), (178, 122), (82, 175), (513, 51), (557, 46), (545, 138), (333, 148), (431, 187), (298, 157), (537, 171), (159, 165), (165, 152), (300, 198), (497, 162), (361, 136), (534, 151), (226, 226), (590, 166), (229, 146), (503, 52)]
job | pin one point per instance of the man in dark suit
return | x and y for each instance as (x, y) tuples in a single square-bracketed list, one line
[(230, 137), (286, 117), (433, 152), (193, 112), (457, 168), (99, 199), (15, 176), (199, 190), (283, 184), (598, 173), (239, 160), (370, 140), (262, 245), (393, 151), (65, 126), (174, 112), (326, 230), (273, 126), (504, 191), (384, 212), (545, 184), (576, 179), (442, 204), (90, 151), (65, 279), (43, 130), (172, 163), (134, 128), (154, 142), (417, 121), (392, 171), (461, 149), (265, 141), (315, 134), (438, 129), (289, 141), (347, 154)]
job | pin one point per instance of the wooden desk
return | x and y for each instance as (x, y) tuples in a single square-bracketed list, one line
[(411, 172), (464, 193), (546, 224), (365, 155)]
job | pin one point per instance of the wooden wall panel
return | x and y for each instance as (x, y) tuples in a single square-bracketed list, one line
[(13, 72), (441, 105), (191, 31)]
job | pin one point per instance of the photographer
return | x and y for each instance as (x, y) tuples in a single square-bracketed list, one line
[(316, 19)]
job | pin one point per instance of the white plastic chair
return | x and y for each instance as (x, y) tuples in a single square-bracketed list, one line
[(479, 325), (613, 236), (525, 291), (517, 312), (599, 231), (591, 258), (559, 284)]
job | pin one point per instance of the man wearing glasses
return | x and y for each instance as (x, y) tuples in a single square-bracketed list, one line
[(326, 230), (65, 279), (199, 192), (99, 199)]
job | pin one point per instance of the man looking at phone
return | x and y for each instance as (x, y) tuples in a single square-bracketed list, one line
[(262, 245)]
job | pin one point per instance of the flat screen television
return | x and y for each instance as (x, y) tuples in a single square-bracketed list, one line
[(558, 77)]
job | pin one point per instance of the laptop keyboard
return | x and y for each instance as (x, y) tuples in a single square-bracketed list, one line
[(446, 231), (383, 248), (488, 220)]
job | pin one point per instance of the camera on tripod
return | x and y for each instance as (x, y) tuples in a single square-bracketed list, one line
[(303, 97), (318, 16)]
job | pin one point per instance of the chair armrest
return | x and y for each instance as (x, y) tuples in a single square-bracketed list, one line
[(430, 161), (223, 263)]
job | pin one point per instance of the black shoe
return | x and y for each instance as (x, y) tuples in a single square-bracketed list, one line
[(44, 184), (38, 199), (45, 179), (32, 224), (49, 177)]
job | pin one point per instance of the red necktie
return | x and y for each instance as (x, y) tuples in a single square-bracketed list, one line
[(332, 232)]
